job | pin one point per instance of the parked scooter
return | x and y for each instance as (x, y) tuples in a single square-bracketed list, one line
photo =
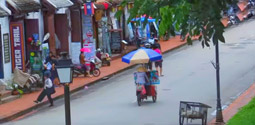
[(147, 43), (104, 57), (250, 14), (250, 4), (80, 70), (233, 20)]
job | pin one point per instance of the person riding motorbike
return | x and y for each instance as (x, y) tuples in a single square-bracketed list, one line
[(83, 63), (141, 78)]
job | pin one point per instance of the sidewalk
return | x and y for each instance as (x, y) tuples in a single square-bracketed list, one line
[(25, 104), (234, 107)]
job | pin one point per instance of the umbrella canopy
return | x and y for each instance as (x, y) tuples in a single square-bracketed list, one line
[(85, 50), (142, 55)]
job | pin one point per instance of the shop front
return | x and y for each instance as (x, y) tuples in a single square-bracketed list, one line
[(25, 31)]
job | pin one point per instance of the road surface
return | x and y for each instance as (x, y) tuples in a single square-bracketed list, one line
[(189, 76)]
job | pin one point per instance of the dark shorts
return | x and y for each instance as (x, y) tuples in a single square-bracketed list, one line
[(150, 65), (158, 64)]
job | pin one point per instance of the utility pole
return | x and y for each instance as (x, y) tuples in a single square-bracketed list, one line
[(219, 117)]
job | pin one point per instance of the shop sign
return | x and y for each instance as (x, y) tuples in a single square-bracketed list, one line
[(88, 40), (17, 45), (6, 48)]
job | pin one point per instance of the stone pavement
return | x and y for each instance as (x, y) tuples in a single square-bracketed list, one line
[(25, 104)]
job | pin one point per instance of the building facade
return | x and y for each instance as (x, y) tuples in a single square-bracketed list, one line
[(5, 52)]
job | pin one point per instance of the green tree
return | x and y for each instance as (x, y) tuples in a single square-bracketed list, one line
[(191, 17)]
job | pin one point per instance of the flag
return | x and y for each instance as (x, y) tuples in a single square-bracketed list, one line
[(89, 8)]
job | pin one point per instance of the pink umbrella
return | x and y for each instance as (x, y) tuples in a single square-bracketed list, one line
[(85, 50)]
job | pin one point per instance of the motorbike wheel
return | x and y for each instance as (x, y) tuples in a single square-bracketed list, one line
[(75, 75), (108, 63), (96, 72)]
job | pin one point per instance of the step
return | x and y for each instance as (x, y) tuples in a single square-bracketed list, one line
[(9, 99), (4, 94)]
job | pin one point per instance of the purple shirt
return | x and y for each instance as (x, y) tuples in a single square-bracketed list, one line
[(141, 77)]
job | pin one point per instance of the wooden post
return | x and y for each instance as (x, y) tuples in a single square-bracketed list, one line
[(51, 30)]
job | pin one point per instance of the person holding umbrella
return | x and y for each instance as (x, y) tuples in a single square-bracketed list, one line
[(83, 62), (145, 81)]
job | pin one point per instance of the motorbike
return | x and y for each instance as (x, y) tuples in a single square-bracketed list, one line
[(250, 4), (80, 70), (143, 92), (147, 43), (232, 20), (249, 15), (106, 59)]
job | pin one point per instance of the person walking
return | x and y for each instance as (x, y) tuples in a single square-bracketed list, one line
[(158, 64), (48, 89)]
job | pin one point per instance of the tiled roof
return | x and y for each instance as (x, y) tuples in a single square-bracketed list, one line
[(25, 5), (4, 11), (60, 3)]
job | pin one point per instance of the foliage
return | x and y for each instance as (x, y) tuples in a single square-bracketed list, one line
[(245, 116), (191, 17)]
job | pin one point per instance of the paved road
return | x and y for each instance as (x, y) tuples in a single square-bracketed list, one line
[(189, 75)]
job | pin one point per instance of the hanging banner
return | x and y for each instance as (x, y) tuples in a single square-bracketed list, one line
[(76, 46), (17, 45), (88, 40)]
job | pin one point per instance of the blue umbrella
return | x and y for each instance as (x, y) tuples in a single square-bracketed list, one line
[(142, 55)]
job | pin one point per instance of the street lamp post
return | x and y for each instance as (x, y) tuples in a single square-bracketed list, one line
[(219, 117), (65, 75)]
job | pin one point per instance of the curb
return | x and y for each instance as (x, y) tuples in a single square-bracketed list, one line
[(24, 112), (238, 103)]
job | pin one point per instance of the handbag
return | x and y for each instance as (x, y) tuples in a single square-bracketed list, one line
[(51, 90)]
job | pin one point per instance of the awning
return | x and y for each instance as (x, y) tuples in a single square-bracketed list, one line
[(60, 3), (25, 5), (4, 11)]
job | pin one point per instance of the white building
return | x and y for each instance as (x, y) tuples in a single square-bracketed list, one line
[(5, 46)]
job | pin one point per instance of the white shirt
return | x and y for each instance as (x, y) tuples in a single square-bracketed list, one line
[(48, 83)]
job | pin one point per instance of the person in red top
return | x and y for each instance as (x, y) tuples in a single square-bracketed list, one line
[(158, 64)]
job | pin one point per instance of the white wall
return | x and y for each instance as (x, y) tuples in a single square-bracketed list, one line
[(4, 22)]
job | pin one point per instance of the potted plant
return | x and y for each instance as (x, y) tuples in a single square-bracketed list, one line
[(16, 90)]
